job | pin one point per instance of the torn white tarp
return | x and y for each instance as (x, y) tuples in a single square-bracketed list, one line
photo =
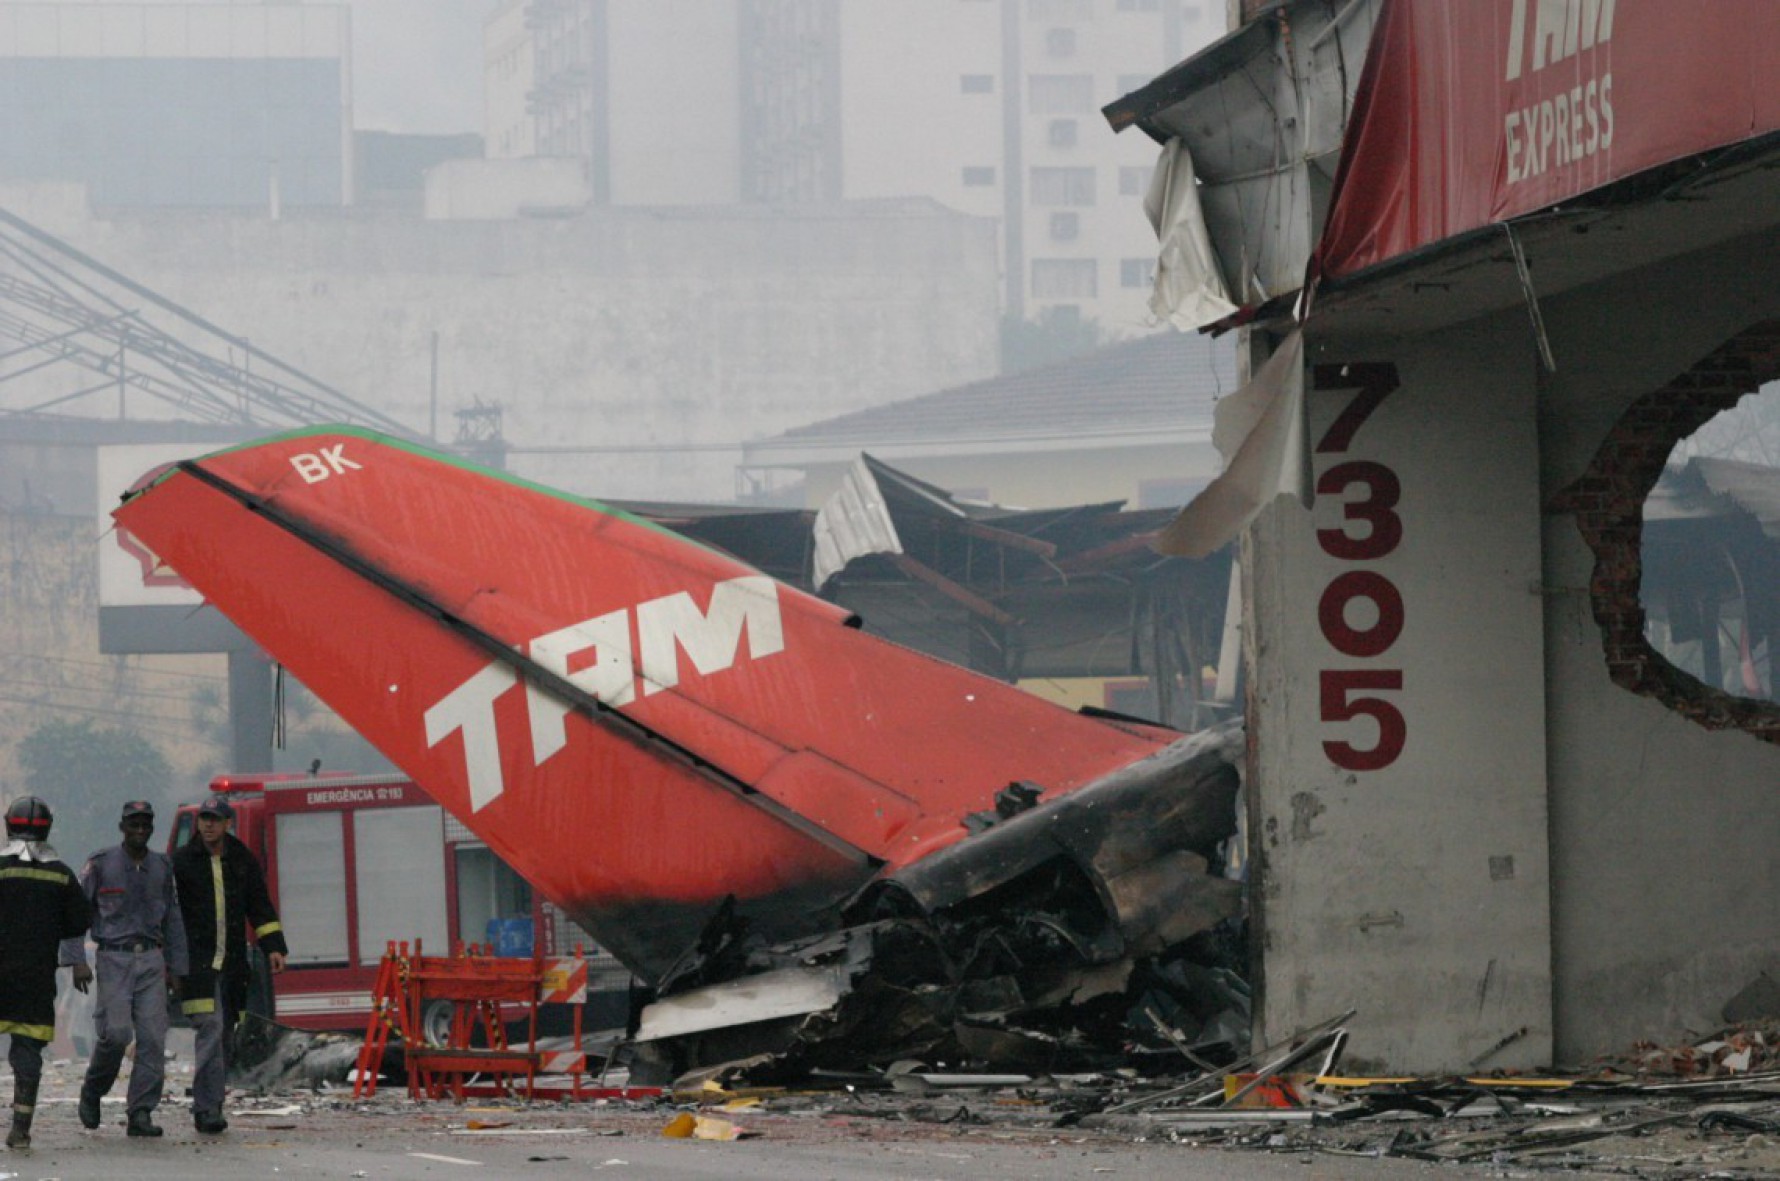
[(1260, 431), (852, 523), (1190, 290)]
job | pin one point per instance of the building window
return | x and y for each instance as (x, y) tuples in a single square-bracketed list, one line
[(1060, 42), (1055, 10), (1063, 278), (1062, 186), (1061, 133), (1131, 83), (1134, 179), (977, 84), (1137, 272), (979, 176), (1060, 94), (1139, 5), (1065, 227)]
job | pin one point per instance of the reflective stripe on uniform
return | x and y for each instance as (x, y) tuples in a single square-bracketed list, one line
[(195, 1007), (43, 1033), (36, 875), (267, 929), (222, 913)]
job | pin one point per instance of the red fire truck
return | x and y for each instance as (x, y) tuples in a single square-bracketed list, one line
[(356, 861)]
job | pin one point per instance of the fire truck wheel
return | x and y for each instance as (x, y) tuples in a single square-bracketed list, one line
[(435, 1022)]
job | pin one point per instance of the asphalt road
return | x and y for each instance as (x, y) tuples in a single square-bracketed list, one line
[(424, 1143), (391, 1138), (791, 1136)]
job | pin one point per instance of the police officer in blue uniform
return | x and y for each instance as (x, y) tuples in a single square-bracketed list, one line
[(40, 905), (142, 953)]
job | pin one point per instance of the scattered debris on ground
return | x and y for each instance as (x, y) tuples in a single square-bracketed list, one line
[(268, 1056), (1708, 1107)]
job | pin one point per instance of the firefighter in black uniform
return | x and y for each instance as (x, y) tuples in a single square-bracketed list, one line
[(222, 891), (41, 904)]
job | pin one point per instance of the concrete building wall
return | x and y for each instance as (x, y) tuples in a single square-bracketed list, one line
[(1397, 712), (632, 352), (483, 190), (1663, 860), (1550, 851), (922, 96)]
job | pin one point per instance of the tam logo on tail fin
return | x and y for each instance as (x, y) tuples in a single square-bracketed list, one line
[(598, 655)]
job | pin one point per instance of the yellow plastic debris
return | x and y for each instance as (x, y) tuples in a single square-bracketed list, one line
[(688, 1126), (710, 1128)]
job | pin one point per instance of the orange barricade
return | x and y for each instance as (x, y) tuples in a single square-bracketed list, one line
[(487, 993)]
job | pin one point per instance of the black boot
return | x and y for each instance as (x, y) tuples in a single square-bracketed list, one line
[(142, 1124), (24, 1106), (210, 1123), (89, 1107)]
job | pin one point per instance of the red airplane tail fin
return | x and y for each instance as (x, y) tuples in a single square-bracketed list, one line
[(641, 726)]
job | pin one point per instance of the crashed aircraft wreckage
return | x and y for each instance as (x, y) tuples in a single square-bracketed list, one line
[(809, 842)]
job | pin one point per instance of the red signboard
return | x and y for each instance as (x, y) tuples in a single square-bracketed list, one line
[(1476, 112)]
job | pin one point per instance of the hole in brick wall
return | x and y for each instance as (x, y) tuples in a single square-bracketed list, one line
[(1686, 584)]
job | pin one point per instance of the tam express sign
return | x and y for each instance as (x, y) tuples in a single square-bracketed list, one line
[(1473, 113)]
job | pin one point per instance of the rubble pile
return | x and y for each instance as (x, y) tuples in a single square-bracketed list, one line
[(1710, 1109), (1749, 1047)]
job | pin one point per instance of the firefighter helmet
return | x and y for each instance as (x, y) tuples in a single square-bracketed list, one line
[(28, 818)]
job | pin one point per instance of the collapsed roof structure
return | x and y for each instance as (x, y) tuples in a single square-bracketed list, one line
[(1019, 594)]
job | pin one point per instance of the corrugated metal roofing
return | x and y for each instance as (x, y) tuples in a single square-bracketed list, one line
[(1166, 381)]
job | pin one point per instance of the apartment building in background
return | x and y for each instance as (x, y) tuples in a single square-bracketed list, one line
[(991, 107)]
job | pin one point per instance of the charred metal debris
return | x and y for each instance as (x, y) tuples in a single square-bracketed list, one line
[(1098, 932)]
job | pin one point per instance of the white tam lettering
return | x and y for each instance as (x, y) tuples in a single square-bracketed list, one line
[(610, 677), (470, 708), (711, 639)]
